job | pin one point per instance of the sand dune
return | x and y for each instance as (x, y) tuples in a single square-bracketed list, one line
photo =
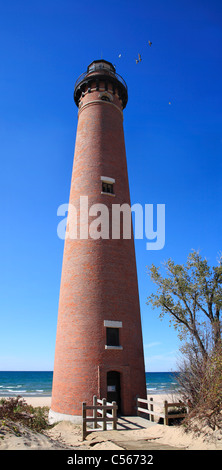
[(131, 433)]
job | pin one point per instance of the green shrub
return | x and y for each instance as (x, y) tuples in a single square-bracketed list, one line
[(17, 410)]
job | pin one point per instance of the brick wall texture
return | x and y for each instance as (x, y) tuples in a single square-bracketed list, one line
[(99, 277)]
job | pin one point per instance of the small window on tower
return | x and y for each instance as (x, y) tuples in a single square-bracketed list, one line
[(106, 98), (107, 187), (112, 336)]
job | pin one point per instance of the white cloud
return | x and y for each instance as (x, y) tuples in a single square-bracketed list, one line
[(165, 362), (151, 345)]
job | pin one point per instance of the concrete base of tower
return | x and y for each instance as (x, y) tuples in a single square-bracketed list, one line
[(55, 417)]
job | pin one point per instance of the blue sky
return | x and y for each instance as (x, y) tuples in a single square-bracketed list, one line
[(173, 151)]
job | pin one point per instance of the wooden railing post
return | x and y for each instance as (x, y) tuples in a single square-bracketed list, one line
[(95, 411), (151, 409), (166, 421), (165, 414), (148, 415), (104, 413), (83, 420), (114, 414), (137, 404)]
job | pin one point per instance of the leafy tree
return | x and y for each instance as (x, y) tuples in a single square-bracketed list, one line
[(191, 294)]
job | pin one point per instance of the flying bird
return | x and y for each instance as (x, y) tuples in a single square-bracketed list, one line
[(120, 55), (139, 59), (150, 43)]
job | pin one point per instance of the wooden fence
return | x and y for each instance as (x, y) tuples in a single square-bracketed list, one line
[(165, 415), (99, 407)]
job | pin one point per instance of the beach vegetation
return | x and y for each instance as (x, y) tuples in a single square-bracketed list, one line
[(200, 382), (16, 410), (191, 295)]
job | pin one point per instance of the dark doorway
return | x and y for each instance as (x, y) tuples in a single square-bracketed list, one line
[(113, 388)]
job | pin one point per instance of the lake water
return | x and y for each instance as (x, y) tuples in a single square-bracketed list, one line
[(40, 383)]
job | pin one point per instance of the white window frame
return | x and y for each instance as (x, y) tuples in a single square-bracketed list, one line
[(113, 324), (107, 179)]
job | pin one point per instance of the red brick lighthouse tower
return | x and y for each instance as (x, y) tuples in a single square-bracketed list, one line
[(99, 349)]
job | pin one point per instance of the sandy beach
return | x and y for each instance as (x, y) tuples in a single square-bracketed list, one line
[(132, 433)]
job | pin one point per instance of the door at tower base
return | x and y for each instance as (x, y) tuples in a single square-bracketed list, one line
[(122, 385), (114, 388), (99, 347)]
